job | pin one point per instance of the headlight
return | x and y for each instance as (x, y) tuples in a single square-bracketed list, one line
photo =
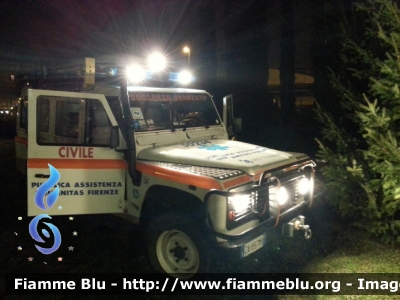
[(240, 206), (239, 203), (282, 195), (305, 185)]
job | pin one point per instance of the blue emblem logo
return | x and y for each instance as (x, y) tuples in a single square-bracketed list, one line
[(246, 161), (213, 147), (45, 203)]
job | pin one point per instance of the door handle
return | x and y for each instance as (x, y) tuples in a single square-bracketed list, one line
[(42, 176)]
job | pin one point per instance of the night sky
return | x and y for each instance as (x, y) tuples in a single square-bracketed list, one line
[(73, 28), (233, 42), (45, 29)]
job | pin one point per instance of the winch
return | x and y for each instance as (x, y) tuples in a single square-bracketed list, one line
[(297, 224)]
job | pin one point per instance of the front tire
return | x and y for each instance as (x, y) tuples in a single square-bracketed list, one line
[(177, 247)]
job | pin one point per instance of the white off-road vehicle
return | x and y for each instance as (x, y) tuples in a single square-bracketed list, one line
[(161, 157)]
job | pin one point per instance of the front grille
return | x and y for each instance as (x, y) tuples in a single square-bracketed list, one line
[(290, 182), (262, 200), (291, 186)]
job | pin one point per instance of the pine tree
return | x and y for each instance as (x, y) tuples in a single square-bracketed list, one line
[(363, 171)]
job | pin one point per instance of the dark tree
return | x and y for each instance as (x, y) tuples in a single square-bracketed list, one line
[(363, 155), (287, 62)]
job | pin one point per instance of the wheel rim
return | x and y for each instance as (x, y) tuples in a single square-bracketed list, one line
[(177, 253)]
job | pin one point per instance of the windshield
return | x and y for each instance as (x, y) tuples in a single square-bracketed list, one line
[(157, 111)]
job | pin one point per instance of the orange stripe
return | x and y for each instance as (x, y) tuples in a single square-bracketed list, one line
[(237, 181), (178, 176), (60, 163), (151, 170), (21, 140)]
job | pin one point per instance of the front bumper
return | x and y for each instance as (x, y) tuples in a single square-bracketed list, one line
[(229, 241), (264, 212)]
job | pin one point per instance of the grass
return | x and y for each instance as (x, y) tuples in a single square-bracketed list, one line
[(358, 255)]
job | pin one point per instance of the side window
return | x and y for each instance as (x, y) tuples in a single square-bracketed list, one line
[(116, 109), (72, 121), (99, 126), (68, 119)]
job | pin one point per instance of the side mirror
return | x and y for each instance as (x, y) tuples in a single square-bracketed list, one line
[(114, 137), (237, 125), (233, 124)]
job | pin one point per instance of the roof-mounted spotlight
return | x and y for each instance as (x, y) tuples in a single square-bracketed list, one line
[(185, 77), (135, 73), (157, 62)]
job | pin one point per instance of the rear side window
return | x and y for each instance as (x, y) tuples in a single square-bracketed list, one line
[(23, 120)]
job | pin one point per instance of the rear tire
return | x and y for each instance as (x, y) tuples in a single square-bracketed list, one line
[(177, 247)]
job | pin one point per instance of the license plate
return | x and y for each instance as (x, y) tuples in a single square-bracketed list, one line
[(253, 245)]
